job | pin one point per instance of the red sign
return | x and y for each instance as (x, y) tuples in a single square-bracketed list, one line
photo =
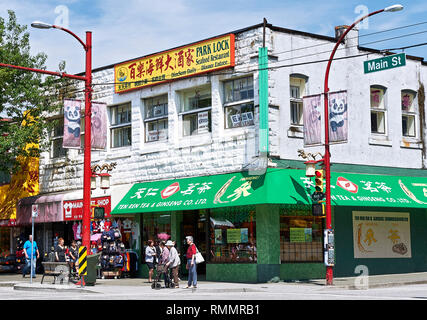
[(347, 185), (73, 209), (168, 191)]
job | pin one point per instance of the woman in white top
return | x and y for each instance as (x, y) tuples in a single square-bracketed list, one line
[(150, 253)]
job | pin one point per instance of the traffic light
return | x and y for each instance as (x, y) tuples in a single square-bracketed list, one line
[(98, 212), (318, 178), (318, 209)]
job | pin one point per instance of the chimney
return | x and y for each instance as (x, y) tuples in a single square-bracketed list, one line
[(351, 39)]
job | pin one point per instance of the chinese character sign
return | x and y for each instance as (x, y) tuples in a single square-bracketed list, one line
[(338, 118), (71, 138), (204, 56), (312, 120)]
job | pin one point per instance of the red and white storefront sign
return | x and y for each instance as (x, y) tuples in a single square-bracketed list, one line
[(73, 209)]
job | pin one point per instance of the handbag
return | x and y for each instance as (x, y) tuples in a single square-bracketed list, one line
[(199, 258)]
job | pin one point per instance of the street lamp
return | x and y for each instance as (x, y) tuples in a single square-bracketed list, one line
[(87, 172), (326, 157)]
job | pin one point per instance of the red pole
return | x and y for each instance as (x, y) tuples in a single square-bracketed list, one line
[(87, 172), (327, 156)]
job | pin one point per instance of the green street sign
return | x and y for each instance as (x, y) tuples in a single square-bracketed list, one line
[(385, 63)]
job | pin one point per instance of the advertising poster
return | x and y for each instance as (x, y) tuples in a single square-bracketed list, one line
[(218, 236), (233, 236), (312, 120), (381, 234), (99, 126), (71, 137), (338, 117)]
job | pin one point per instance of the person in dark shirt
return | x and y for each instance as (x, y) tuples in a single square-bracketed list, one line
[(60, 251)]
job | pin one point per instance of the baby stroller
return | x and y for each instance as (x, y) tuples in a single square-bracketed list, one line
[(162, 270)]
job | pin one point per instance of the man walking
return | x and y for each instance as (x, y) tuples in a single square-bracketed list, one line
[(30, 256)]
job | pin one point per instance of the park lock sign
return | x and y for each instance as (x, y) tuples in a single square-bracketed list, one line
[(385, 63)]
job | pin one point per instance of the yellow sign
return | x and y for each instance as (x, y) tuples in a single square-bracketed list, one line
[(205, 56), (82, 261)]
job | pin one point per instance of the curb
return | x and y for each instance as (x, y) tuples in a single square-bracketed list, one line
[(55, 288)]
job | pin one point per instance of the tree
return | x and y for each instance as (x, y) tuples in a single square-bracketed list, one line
[(26, 98)]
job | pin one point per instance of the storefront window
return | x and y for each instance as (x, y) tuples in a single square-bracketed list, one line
[(301, 235), (156, 226), (232, 236)]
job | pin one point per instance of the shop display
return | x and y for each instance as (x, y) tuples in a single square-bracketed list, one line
[(232, 237), (115, 260)]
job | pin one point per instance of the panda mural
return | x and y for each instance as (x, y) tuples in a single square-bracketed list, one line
[(338, 121), (71, 137)]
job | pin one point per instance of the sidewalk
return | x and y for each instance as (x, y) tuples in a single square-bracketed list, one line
[(351, 283)]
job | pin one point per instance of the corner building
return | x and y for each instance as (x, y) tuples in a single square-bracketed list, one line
[(184, 132)]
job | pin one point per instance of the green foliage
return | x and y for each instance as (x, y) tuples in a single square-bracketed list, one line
[(26, 98)]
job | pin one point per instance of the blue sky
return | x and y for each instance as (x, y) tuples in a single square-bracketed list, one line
[(129, 28)]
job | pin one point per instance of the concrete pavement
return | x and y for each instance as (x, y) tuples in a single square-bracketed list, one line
[(103, 285)]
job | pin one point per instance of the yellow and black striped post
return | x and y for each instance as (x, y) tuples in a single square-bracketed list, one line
[(82, 263)]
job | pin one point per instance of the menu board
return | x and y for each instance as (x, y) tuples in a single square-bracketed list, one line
[(237, 235)]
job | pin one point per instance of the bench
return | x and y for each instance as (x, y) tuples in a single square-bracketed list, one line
[(56, 269)]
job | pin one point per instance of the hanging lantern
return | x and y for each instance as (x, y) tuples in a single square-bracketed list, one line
[(93, 181), (310, 168), (105, 180)]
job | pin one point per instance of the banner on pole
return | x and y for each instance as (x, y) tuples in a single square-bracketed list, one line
[(71, 138), (98, 125), (338, 117), (312, 120)]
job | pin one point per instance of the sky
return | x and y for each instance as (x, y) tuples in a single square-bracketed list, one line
[(126, 29)]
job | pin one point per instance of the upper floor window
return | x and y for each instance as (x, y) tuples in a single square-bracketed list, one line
[(238, 102), (57, 135), (196, 105), (378, 110), (409, 113), (297, 87), (156, 118), (120, 128)]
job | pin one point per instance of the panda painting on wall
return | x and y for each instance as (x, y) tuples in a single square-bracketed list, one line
[(71, 138)]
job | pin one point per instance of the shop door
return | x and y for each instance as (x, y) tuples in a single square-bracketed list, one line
[(194, 223)]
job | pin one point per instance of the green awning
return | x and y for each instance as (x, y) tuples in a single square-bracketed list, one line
[(276, 186)]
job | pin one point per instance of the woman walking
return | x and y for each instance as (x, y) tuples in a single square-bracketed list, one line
[(174, 262), (150, 253), (191, 263)]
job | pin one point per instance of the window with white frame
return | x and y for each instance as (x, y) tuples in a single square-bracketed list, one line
[(120, 128), (56, 140), (297, 86), (156, 118), (378, 110), (239, 102), (409, 113), (196, 105)]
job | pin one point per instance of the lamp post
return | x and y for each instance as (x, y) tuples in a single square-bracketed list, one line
[(87, 172), (326, 157)]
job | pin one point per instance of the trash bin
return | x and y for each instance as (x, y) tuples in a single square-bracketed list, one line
[(92, 263)]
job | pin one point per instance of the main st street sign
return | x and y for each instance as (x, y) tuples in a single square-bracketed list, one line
[(384, 63)]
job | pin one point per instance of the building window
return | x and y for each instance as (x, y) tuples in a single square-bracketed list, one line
[(301, 236), (156, 118), (57, 137), (238, 102), (409, 113), (378, 110), (121, 130), (232, 236), (196, 107), (297, 86)]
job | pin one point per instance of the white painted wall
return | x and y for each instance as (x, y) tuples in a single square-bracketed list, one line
[(227, 150)]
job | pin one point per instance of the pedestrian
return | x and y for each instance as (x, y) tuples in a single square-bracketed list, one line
[(174, 262), (150, 255), (191, 263), (60, 251), (29, 256), (73, 255), (164, 259)]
